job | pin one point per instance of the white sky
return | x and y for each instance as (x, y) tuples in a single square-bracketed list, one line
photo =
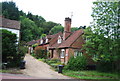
[(57, 10)]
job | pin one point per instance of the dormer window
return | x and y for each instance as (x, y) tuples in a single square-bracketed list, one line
[(41, 42), (59, 40), (46, 41)]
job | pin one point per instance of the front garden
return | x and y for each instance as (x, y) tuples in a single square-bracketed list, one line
[(76, 68)]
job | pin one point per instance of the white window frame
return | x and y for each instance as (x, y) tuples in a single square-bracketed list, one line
[(77, 53), (81, 53), (41, 42), (62, 55), (59, 40), (46, 40)]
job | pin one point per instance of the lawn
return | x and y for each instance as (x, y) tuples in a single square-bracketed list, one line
[(90, 74), (11, 70)]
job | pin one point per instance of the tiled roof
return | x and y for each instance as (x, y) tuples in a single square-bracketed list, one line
[(54, 39), (31, 42), (51, 40), (7, 23), (38, 41), (69, 41), (65, 43), (51, 36)]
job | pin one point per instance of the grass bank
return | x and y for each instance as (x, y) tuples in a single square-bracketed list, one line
[(90, 74)]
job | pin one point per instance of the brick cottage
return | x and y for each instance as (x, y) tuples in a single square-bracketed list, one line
[(63, 45)]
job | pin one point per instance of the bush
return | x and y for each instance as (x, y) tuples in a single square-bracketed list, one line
[(9, 46), (40, 52), (76, 64), (52, 61), (55, 60), (12, 53), (21, 51), (105, 66)]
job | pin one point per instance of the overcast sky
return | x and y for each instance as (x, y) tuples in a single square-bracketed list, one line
[(57, 10)]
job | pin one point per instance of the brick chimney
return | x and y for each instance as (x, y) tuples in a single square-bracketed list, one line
[(67, 28)]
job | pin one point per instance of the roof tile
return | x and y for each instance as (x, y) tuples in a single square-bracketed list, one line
[(7, 23)]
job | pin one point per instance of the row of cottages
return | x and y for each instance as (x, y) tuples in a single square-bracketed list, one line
[(63, 45), (10, 25)]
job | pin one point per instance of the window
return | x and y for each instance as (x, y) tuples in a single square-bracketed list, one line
[(75, 54), (87, 39), (41, 41), (59, 40), (78, 53), (46, 40), (62, 53)]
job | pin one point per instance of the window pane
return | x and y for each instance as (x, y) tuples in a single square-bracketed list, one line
[(62, 53)]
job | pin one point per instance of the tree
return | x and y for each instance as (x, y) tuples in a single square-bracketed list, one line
[(22, 13), (74, 29), (47, 26), (60, 28), (29, 30), (56, 29), (10, 11), (102, 37)]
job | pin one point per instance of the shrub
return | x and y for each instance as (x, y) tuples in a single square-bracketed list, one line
[(55, 60), (22, 50), (9, 46), (12, 53), (40, 52), (78, 63)]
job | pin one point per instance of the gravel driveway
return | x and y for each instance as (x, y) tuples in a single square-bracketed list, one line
[(40, 69)]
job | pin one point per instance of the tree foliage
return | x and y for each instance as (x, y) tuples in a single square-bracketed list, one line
[(56, 29), (60, 28), (102, 37), (32, 26), (48, 26), (10, 10), (74, 29), (29, 29)]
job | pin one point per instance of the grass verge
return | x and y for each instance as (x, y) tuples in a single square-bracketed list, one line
[(90, 74), (12, 71)]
